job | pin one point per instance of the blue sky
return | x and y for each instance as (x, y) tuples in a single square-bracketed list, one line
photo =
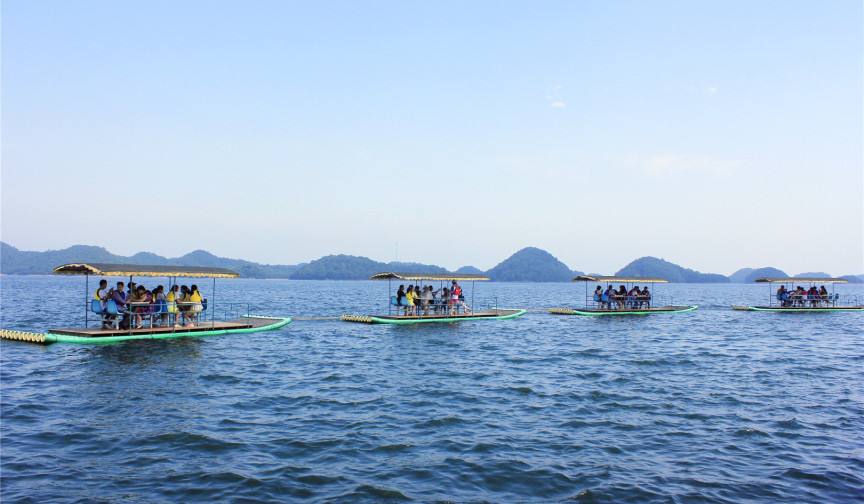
[(717, 135)]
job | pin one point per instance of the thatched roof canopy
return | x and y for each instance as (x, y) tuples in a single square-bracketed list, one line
[(105, 269)]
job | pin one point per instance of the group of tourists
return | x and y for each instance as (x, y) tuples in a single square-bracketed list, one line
[(801, 296), (440, 301), (138, 305), (622, 298)]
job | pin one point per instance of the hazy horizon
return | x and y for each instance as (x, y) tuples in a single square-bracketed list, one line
[(717, 136)]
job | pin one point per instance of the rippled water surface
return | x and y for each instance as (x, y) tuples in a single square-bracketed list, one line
[(714, 405)]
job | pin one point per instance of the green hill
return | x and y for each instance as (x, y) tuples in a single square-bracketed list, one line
[(531, 264), (348, 267), (749, 275), (653, 267), (17, 262)]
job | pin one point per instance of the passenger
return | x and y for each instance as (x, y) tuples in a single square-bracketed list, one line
[(455, 294), (598, 294), (436, 303), (645, 297), (823, 295), (120, 298), (160, 298), (782, 296), (409, 300), (400, 294), (621, 298), (197, 305), (183, 306), (171, 299), (632, 296), (444, 302), (138, 309), (606, 298), (417, 294), (426, 299), (813, 295), (102, 294)]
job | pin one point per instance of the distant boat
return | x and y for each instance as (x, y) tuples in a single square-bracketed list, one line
[(801, 300), (608, 303), (438, 309), (106, 315)]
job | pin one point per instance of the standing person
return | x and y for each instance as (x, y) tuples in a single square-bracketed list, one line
[(409, 300), (455, 292)]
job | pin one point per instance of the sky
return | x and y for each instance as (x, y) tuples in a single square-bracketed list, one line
[(715, 135)]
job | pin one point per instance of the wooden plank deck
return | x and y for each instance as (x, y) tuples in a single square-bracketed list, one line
[(481, 314)]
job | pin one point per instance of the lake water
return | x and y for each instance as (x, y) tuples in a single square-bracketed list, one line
[(714, 405)]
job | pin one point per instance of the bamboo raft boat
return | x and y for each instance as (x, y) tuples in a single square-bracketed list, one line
[(237, 324), (789, 302), (594, 304), (491, 312)]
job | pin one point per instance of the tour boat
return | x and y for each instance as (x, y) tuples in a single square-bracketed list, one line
[(793, 301), (485, 310), (202, 319), (605, 304)]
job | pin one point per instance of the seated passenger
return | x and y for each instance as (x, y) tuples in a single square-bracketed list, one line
[(823, 295), (426, 299), (102, 295), (197, 303), (159, 298), (120, 298), (606, 298), (138, 309), (620, 297), (632, 294), (598, 293), (400, 295), (645, 297), (183, 306)]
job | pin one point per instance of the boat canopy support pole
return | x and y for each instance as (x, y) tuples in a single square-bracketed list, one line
[(86, 302)]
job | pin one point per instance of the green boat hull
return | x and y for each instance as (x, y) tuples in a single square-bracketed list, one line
[(597, 313), (51, 337), (799, 310)]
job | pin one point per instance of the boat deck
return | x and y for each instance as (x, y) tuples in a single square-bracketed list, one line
[(240, 323), (412, 319)]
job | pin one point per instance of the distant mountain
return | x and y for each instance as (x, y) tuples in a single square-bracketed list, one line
[(749, 275), (531, 265), (347, 267), (855, 279), (813, 274), (17, 262), (740, 275), (469, 270), (651, 266)]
